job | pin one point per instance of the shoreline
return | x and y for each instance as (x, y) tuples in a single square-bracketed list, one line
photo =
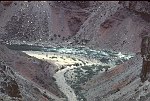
[(59, 75)]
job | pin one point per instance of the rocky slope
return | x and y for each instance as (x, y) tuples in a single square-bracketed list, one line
[(119, 30), (41, 21), (119, 84), (86, 22), (33, 75), (15, 87)]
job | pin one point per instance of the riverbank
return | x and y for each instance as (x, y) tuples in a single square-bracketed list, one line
[(61, 60), (73, 68)]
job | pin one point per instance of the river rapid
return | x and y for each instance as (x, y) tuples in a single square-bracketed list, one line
[(80, 63)]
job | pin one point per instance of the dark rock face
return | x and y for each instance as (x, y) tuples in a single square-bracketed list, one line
[(140, 7), (82, 4), (6, 3), (73, 4), (74, 24), (8, 84), (145, 53), (136, 5), (12, 89)]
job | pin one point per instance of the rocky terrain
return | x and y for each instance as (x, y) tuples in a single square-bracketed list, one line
[(85, 23), (47, 21), (110, 25), (23, 74), (15, 87), (119, 29)]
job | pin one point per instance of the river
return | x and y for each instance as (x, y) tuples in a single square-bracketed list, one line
[(84, 64)]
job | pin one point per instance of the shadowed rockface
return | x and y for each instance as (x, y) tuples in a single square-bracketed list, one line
[(6, 3)]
